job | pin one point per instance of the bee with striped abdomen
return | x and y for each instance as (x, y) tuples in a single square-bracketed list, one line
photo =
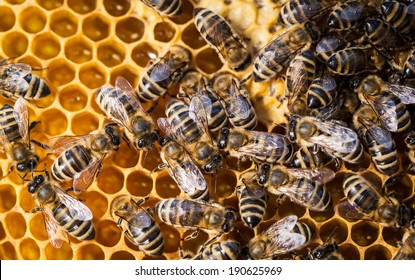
[(163, 72), (297, 11), (306, 158), (407, 248), (121, 105), (282, 237), (326, 251), (138, 225), (15, 138), (348, 15), (62, 213), (322, 92), (170, 8), (235, 99), (224, 250), (218, 33), (252, 202), (400, 18)]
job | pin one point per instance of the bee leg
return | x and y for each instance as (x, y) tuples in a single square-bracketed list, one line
[(150, 211), (337, 163), (141, 201), (37, 143), (125, 138), (192, 236), (119, 223), (160, 167), (3, 61), (130, 237), (34, 210), (33, 125), (207, 243), (10, 171)]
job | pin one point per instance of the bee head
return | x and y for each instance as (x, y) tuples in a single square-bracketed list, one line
[(35, 183), (410, 140), (148, 141), (163, 141), (28, 165), (313, 30), (292, 124), (223, 138), (404, 215), (214, 164), (114, 135), (230, 220), (263, 173)]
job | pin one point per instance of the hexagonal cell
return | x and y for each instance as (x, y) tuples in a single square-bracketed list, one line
[(37, 227), (186, 15), (84, 123), (73, 98), (191, 37), (171, 238), (53, 122), (25, 200), (377, 252), (117, 8), (14, 44), (96, 202), (239, 165), (365, 233), (122, 255), (393, 236), (139, 184), (7, 19), (29, 249), (193, 245), (95, 27), (402, 189), (107, 233), (111, 53), (349, 252), (90, 252), (78, 50), (110, 180), (2, 232), (32, 61), (50, 4), (16, 224), (92, 75), (126, 157), (7, 198), (166, 187), (208, 61), (372, 178), (126, 72), (322, 216), (143, 53), (164, 32), (82, 6), (60, 72), (362, 166), (226, 183), (46, 46), (63, 253), (63, 23), (7, 251), (287, 207), (336, 229), (32, 19), (130, 29)]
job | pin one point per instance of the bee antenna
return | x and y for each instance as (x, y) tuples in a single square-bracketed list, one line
[(145, 158), (331, 234), (23, 178), (216, 180), (245, 79)]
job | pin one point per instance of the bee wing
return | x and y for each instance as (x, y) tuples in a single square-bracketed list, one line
[(238, 104), (318, 175), (301, 195), (352, 12), (124, 85), (77, 209), (199, 109), (386, 113), (405, 94), (255, 190), (382, 136), (272, 142), (160, 72), (82, 180), (59, 144), (141, 219), (411, 9), (54, 231), (169, 130), (349, 211), (21, 115), (15, 73)]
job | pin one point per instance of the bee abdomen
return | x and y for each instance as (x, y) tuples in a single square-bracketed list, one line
[(150, 90), (167, 211), (170, 8), (83, 230), (251, 208), (8, 123), (384, 155), (149, 239), (71, 162), (305, 230), (348, 62), (358, 192), (178, 115), (320, 199), (218, 118), (249, 123)]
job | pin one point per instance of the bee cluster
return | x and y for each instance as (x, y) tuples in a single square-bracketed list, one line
[(347, 70)]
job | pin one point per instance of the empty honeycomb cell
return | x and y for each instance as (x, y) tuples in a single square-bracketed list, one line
[(92, 75), (110, 180), (139, 184), (73, 98), (46, 46), (90, 252), (29, 249), (392, 236), (15, 2), (193, 245), (32, 19), (377, 252), (84, 123), (164, 32), (7, 197), (288, 207), (95, 27), (7, 19), (63, 253), (335, 188), (50, 4), (16, 224), (336, 229), (82, 6), (208, 61), (96, 202), (33, 62), (166, 187), (186, 15), (322, 216), (402, 189), (126, 157), (111, 53), (125, 72), (53, 122), (63, 23), (14, 44), (226, 183), (60, 72), (2, 232), (37, 227), (365, 233), (117, 8), (192, 37), (349, 252), (107, 233), (130, 29), (143, 53), (171, 238), (26, 201), (7, 251), (78, 50), (122, 255)]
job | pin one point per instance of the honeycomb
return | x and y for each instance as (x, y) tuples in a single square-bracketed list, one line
[(80, 45)]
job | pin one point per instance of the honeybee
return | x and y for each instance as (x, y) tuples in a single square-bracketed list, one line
[(15, 138), (407, 248), (62, 213), (183, 170), (322, 92), (220, 36), (306, 158), (283, 236), (334, 139), (170, 8), (138, 225), (399, 17), (367, 201), (255, 145), (276, 55), (302, 185), (235, 99), (326, 251), (329, 45), (410, 145), (198, 215), (121, 105), (163, 72), (189, 127), (387, 101), (80, 157), (348, 15), (17, 81), (252, 203), (296, 11), (224, 250)]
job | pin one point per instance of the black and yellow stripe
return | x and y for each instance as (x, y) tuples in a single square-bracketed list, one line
[(251, 207), (70, 162)]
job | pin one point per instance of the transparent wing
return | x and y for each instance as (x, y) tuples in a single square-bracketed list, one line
[(380, 135), (386, 113), (203, 103), (405, 94), (77, 209), (171, 131), (14, 74), (60, 144), (255, 190), (353, 12), (160, 72), (296, 79), (122, 84), (317, 175), (238, 104), (301, 194), (329, 83), (349, 211), (21, 115), (411, 9), (54, 231), (82, 180), (198, 111), (140, 219), (272, 143), (328, 43)]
